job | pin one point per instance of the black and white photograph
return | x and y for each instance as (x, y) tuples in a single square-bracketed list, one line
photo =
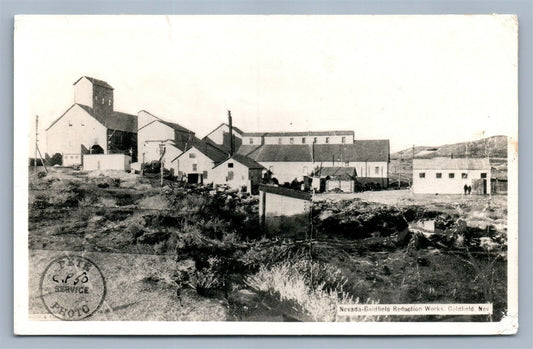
[(266, 174)]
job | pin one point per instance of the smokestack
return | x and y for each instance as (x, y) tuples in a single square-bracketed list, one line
[(231, 144)]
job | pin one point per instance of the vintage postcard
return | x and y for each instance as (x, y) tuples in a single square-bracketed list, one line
[(266, 175)]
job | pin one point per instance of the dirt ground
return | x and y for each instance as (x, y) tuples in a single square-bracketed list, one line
[(130, 294), (140, 235)]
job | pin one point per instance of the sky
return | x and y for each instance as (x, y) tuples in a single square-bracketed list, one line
[(415, 80)]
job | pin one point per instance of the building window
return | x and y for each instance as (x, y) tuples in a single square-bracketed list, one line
[(451, 175), (327, 139), (291, 140), (194, 167), (315, 140), (279, 140), (251, 141), (303, 140), (192, 155), (376, 170), (422, 175), (204, 175), (230, 164), (438, 175), (343, 140), (464, 175), (109, 102), (483, 175), (230, 176), (103, 100)]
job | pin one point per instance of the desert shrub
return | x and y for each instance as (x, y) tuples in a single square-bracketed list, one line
[(63, 194), (313, 302), (56, 159), (259, 254), (107, 202), (156, 202)]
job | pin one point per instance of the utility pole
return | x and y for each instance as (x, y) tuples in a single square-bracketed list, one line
[(36, 142)]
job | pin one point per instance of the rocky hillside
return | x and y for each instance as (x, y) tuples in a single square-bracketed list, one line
[(496, 147)]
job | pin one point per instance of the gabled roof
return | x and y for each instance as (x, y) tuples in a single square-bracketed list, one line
[(115, 121), (359, 151), (281, 153), (96, 82), (246, 161), (173, 125), (446, 163), (208, 149), (337, 172), (238, 130)]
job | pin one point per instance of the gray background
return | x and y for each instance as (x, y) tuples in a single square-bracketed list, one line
[(524, 10)]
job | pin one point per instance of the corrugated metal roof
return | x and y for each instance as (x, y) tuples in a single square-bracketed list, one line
[(96, 82), (446, 163), (360, 151)]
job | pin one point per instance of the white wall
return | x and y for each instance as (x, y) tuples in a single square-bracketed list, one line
[(240, 174), (308, 139), (251, 140), (445, 185), (75, 128), (83, 92), (287, 171), (150, 136), (107, 162), (217, 136), (185, 163), (280, 205)]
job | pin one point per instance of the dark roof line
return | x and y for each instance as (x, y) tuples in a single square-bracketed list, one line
[(56, 120), (173, 125), (285, 192), (96, 82), (244, 160), (224, 124)]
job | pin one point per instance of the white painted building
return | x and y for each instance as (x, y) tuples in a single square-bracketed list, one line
[(156, 136), (92, 162), (306, 137), (91, 125), (370, 158), (237, 172), (196, 163), (445, 175)]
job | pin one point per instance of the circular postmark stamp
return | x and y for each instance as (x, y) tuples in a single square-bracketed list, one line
[(72, 288)]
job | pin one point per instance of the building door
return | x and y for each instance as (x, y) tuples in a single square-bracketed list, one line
[(322, 185), (484, 186), (192, 178)]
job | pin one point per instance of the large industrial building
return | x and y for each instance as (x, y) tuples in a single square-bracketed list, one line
[(92, 126)]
